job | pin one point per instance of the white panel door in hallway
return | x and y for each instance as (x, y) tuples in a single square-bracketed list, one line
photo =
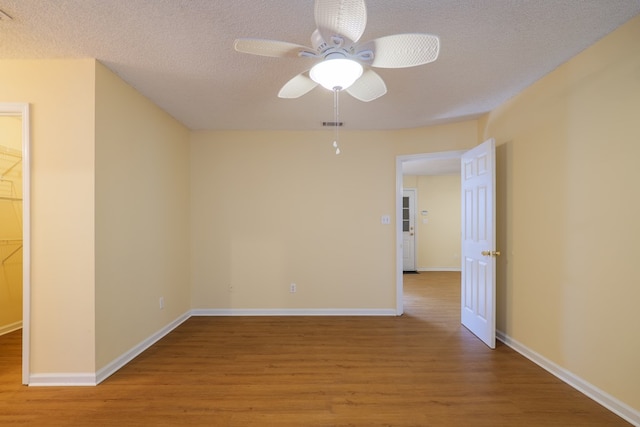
[(409, 229)]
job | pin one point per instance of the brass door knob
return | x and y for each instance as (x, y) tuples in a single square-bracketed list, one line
[(490, 253)]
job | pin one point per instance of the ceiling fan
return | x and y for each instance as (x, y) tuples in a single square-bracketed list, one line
[(343, 62)]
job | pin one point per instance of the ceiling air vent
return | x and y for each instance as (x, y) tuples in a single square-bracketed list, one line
[(332, 124)]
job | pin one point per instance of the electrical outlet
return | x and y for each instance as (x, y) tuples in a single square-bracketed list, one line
[(292, 288), (385, 219), (161, 303)]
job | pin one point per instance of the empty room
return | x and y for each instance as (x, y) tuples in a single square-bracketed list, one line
[(204, 219)]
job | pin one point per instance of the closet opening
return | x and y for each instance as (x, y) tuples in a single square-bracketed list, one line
[(14, 226)]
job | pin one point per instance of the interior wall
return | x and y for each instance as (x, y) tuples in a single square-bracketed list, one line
[(10, 223), (567, 214), (61, 96), (142, 218), (273, 208), (438, 231), (72, 151)]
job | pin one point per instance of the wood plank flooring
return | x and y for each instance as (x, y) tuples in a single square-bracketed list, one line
[(420, 369)]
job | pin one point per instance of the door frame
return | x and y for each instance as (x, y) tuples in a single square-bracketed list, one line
[(22, 110), (457, 154)]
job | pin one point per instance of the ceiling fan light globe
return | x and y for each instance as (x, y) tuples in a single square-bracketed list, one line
[(337, 73)]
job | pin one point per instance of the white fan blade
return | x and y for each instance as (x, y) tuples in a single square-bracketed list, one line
[(269, 48), (297, 86), (368, 87), (403, 50), (341, 18)]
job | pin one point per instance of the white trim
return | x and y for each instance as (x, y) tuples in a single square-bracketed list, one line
[(22, 110), (293, 312), (87, 379), (26, 243), (6, 329), (611, 403), (53, 380), (127, 357), (433, 156), (399, 254), (439, 269)]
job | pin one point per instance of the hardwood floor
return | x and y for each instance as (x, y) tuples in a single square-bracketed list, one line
[(421, 369)]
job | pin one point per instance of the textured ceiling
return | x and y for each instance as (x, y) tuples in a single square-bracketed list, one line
[(180, 54)]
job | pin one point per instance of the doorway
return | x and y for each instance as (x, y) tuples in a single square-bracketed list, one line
[(443, 163), (10, 224), (15, 215)]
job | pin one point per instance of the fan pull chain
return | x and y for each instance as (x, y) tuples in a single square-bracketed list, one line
[(336, 119)]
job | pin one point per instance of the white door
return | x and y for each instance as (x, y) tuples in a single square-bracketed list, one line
[(478, 296), (408, 230)]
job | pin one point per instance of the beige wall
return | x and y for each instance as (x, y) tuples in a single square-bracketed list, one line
[(61, 95), (100, 263), (10, 225), (568, 214), (111, 212), (273, 208), (142, 217), (438, 239)]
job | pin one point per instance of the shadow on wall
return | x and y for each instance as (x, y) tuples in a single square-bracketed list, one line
[(504, 163)]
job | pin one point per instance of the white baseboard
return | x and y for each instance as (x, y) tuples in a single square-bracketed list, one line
[(127, 357), (439, 269), (293, 312), (10, 327), (118, 363), (50, 380), (611, 403), (90, 379)]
